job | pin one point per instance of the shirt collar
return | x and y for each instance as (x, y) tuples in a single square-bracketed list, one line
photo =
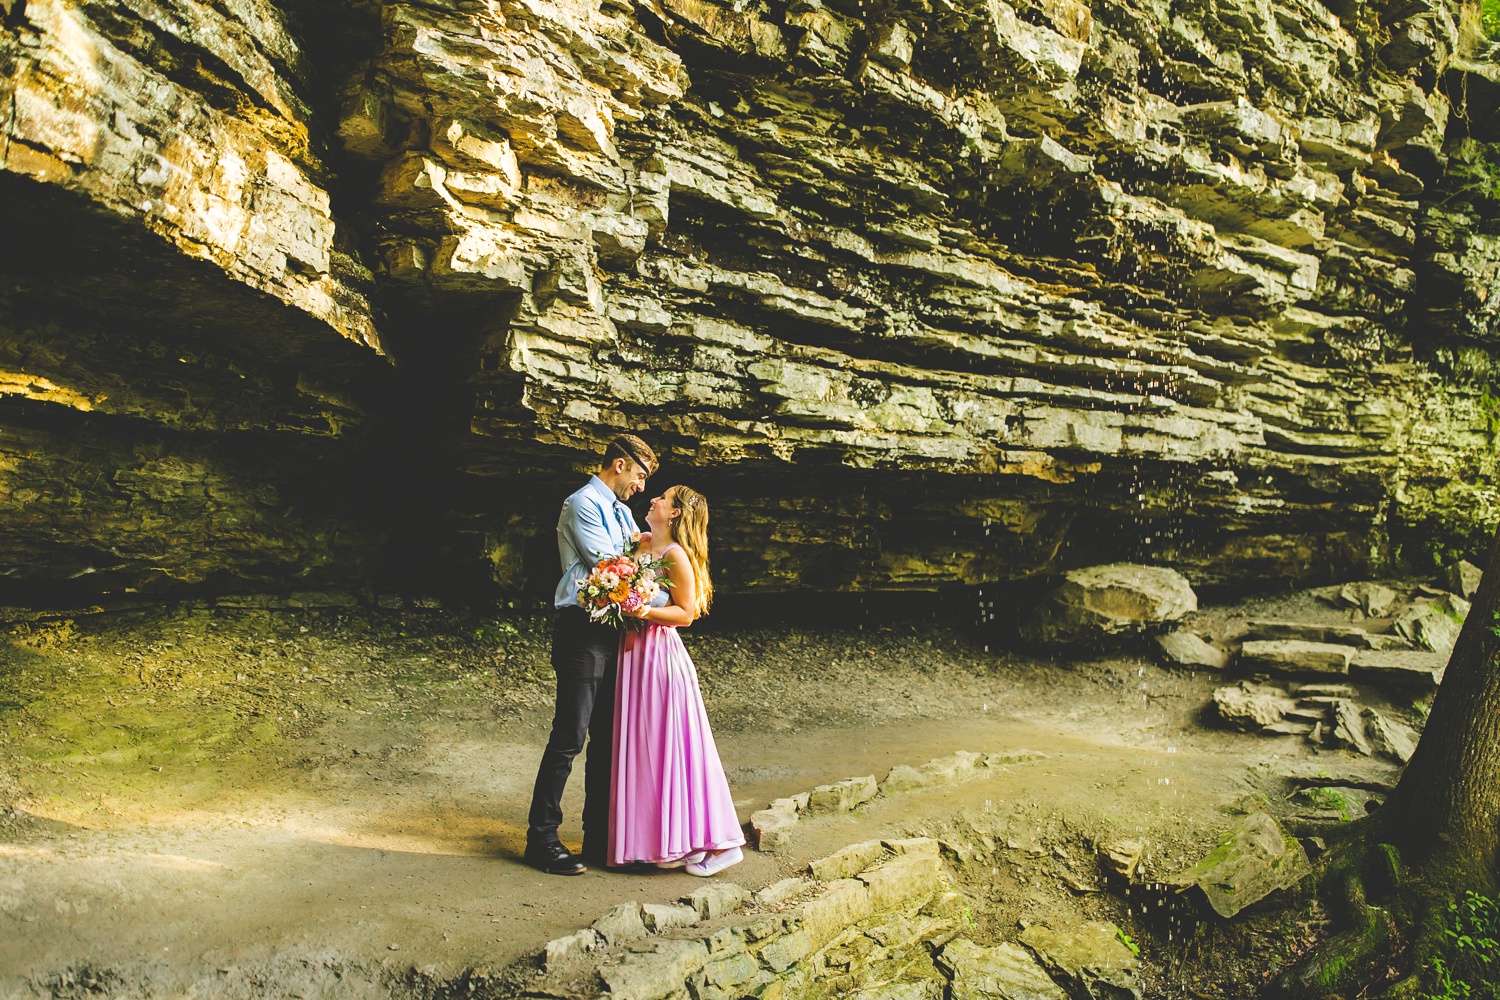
[(604, 492)]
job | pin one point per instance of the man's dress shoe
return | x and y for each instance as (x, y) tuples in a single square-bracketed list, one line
[(554, 859)]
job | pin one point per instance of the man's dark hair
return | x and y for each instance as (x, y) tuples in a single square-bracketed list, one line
[(631, 447)]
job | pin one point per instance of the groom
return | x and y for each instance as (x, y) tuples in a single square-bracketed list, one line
[(594, 523)]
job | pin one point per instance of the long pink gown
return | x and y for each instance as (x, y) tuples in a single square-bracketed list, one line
[(669, 796)]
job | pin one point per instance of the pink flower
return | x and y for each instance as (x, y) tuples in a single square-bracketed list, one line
[(632, 602)]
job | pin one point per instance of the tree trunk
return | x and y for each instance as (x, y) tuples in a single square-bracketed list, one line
[(1445, 813)]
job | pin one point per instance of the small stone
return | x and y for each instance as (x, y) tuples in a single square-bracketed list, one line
[(1122, 857), (1296, 657), (560, 951), (621, 923), (1463, 578), (779, 892), (661, 917), (847, 862), (842, 796), (713, 901), (1185, 648), (773, 826)]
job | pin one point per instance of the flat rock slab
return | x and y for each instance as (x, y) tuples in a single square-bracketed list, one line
[(1343, 635), (1004, 972), (1088, 957), (1186, 648), (1417, 669), (1296, 657), (1253, 860), (1369, 775), (1101, 601)]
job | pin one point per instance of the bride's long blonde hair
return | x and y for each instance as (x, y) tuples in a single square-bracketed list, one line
[(690, 530)]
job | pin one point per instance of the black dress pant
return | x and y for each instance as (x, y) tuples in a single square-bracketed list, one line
[(585, 657)]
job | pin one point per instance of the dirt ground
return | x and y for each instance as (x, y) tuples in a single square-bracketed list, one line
[(232, 802)]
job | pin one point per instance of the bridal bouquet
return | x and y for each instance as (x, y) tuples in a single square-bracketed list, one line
[(621, 585)]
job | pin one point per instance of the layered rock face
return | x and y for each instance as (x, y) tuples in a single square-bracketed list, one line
[(919, 293)]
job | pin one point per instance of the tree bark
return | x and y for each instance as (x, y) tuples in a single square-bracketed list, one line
[(1445, 813)]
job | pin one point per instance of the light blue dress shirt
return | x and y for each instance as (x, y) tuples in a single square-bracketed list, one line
[(594, 523)]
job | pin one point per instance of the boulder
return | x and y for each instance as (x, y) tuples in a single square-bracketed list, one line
[(1432, 626), (1296, 657), (1343, 635), (1418, 669), (1101, 601), (1122, 858), (1252, 706), (1253, 860), (1463, 578), (1088, 958), (773, 825), (1374, 599), (1388, 737), (1186, 648), (1004, 972)]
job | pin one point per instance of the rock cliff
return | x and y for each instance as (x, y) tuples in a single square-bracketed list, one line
[(920, 292)]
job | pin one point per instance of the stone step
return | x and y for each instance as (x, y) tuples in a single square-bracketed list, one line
[(1296, 657), (1417, 669), (1344, 635)]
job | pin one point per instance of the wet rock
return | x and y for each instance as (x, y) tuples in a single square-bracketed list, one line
[(1389, 737), (1251, 706), (1004, 972), (1185, 648), (1463, 578), (1086, 957), (1375, 599), (1432, 626), (1103, 601), (1295, 657), (842, 796), (1253, 860), (1417, 669)]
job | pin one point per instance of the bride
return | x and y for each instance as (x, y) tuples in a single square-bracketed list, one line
[(669, 800)]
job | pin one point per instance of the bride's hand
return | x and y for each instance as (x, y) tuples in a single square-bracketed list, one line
[(642, 538), (639, 612)]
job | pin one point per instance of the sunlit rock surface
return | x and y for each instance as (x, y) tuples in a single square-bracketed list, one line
[(920, 294)]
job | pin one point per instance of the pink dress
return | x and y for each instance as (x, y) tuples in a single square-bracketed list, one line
[(668, 796)]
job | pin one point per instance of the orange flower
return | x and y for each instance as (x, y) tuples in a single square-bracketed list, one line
[(620, 592)]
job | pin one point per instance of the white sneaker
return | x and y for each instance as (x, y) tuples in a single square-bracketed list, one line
[(717, 862), (684, 861)]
